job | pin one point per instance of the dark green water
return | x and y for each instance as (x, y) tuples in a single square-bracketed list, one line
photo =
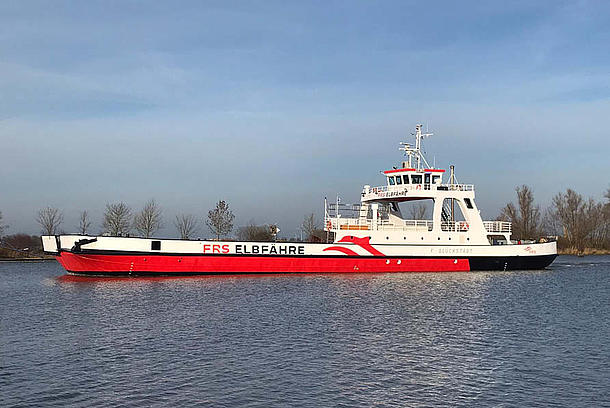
[(507, 339)]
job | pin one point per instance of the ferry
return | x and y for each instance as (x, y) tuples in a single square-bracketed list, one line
[(371, 236)]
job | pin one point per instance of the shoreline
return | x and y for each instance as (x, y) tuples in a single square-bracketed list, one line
[(26, 259), (584, 252)]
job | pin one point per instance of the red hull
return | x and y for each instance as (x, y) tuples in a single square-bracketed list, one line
[(176, 265)]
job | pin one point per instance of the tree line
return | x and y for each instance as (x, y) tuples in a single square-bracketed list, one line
[(579, 223), (120, 220)]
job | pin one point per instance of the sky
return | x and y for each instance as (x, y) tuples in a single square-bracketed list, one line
[(273, 106)]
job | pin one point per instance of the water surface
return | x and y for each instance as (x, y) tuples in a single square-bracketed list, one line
[(508, 339)]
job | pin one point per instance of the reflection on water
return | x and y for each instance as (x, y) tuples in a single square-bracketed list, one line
[(469, 339)]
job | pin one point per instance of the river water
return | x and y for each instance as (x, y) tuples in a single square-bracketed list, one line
[(507, 339)]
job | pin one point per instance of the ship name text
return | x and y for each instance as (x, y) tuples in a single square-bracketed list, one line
[(270, 249), (259, 249)]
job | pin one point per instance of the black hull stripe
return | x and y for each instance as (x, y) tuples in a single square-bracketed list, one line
[(509, 263)]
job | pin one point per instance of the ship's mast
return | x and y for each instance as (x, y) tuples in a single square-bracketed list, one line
[(416, 152)]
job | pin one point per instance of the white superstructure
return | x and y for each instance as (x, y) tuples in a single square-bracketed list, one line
[(455, 219)]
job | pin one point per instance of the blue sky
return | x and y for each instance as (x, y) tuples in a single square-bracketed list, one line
[(274, 105)]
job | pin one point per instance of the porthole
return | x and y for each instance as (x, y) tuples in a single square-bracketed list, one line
[(439, 238), (449, 238), (387, 237), (387, 261), (422, 238)]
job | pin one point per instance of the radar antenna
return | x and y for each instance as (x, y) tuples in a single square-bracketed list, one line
[(416, 152)]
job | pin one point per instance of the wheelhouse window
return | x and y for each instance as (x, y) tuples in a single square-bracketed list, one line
[(427, 178), (398, 180), (468, 202), (416, 178), (436, 179), (405, 179), (391, 180)]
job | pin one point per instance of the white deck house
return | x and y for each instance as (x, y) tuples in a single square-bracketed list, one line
[(455, 217)]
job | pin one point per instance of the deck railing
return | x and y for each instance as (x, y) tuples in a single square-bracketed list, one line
[(455, 226), (360, 224), (498, 226), (366, 224)]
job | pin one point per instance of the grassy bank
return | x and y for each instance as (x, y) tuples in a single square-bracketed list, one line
[(584, 252), (7, 254)]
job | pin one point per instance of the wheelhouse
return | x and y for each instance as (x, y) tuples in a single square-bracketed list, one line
[(407, 176)]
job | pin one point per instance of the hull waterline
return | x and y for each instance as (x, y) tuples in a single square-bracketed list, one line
[(186, 265)]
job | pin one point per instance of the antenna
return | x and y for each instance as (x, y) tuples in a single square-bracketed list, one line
[(417, 150)]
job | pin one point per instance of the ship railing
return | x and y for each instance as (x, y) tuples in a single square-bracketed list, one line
[(401, 190), (455, 226), (360, 224), (406, 225), (418, 225), (347, 224), (361, 211), (498, 226), (344, 209)]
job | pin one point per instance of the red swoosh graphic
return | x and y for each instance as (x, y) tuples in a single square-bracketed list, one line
[(346, 251), (362, 243)]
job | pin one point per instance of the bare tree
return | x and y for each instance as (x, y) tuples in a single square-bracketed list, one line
[(253, 232), (84, 223), (117, 219), (311, 228), (526, 220), (220, 219), (606, 220), (49, 219), (551, 225), (186, 224), (579, 218), (3, 227), (148, 220), (418, 212)]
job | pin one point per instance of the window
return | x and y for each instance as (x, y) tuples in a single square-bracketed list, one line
[(155, 245), (468, 202), (405, 179), (427, 178), (391, 180), (452, 215), (416, 178), (436, 179), (398, 180)]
